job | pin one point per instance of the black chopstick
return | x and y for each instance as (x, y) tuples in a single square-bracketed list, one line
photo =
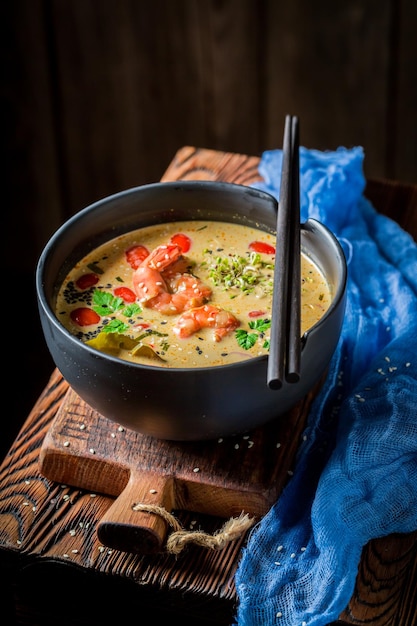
[(285, 340)]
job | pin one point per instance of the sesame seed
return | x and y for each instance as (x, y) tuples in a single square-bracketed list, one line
[(408, 364), (92, 451), (277, 563), (153, 491), (237, 446), (278, 445), (279, 614), (72, 532), (293, 555), (93, 495), (82, 427), (66, 444), (196, 470), (120, 429), (280, 548)]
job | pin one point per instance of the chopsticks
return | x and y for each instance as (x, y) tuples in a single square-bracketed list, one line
[(285, 339)]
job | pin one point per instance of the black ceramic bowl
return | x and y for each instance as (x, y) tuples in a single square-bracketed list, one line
[(188, 403)]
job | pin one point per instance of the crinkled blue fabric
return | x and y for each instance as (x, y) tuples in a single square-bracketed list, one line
[(355, 476)]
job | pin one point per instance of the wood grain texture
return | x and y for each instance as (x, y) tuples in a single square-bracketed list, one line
[(225, 477), (48, 530)]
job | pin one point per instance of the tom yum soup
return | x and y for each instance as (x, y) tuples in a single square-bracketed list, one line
[(182, 294)]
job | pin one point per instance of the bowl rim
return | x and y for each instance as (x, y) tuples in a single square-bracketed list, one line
[(310, 225)]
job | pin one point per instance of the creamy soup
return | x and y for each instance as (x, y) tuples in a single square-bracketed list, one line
[(182, 294)]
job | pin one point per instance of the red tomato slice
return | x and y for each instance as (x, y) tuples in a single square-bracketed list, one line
[(135, 255), (84, 316), (261, 247), (181, 240), (86, 280), (125, 293)]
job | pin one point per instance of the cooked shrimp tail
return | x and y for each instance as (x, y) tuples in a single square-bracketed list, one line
[(160, 284), (208, 316)]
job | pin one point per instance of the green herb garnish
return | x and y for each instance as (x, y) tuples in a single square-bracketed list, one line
[(247, 340), (243, 273), (115, 326), (94, 267), (104, 303)]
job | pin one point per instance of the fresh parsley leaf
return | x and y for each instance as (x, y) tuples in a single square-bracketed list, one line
[(115, 326), (261, 325), (245, 340), (131, 309), (104, 303)]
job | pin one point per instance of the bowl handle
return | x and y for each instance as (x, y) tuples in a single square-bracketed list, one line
[(135, 521)]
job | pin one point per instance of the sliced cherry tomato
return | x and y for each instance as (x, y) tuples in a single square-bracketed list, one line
[(256, 313), (261, 247), (181, 240), (125, 293), (86, 280), (84, 316), (135, 255), (142, 325)]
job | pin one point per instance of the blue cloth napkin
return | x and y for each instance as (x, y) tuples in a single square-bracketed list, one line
[(355, 476)]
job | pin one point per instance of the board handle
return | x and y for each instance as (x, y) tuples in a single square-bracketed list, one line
[(126, 528)]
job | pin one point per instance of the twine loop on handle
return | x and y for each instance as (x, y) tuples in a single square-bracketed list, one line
[(232, 529)]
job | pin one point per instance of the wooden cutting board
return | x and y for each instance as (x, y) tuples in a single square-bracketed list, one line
[(224, 478)]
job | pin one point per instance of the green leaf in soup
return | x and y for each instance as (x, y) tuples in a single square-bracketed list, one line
[(112, 343), (144, 349)]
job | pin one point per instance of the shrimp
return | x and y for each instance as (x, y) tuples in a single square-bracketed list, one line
[(207, 316), (160, 286)]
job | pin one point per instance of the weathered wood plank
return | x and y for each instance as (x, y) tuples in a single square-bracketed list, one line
[(48, 530)]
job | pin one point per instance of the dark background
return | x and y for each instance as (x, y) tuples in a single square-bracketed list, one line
[(98, 95)]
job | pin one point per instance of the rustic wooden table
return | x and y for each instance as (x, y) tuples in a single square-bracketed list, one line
[(56, 571)]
